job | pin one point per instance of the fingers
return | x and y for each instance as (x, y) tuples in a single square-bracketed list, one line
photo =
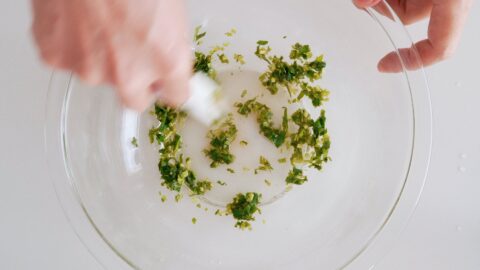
[(411, 11), (446, 23), (365, 3), (173, 53)]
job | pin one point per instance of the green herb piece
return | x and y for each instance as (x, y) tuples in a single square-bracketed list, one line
[(300, 51), (244, 93), (262, 42), (295, 176), (243, 208), (316, 94), (243, 143), (264, 118), (230, 170), (221, 183), (199, 205), (293, 76), (218, 212), (232, 32), (267, 182), (178, 197), (134, 141), (311, 142), (239, 58), (173, 167), (199, 187), (202, 63), (223, 58), (163, 198), (220, 141), (282, 160), (194, 220), (198, 35), (264, 165)]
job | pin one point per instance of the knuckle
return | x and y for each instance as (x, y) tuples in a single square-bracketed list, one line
[(445, 53)]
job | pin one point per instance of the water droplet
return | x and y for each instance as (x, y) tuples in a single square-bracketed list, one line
[(463, 156), (462, 169), (458, 84), (459, 228)]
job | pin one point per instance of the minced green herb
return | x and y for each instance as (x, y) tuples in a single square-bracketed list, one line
[(282, 160), (264, 118), (243, 143), (198, 35), (295, 176), (202, 63), (232, 32), (243, 208), (220, 139), (223, 58), (221, 183), (173, 167), (267, 182), (194, 220), (239, 58), (134, 142), (163, 198), (178, 197), (230, 170), (264, 165), (244, 93), (295, 75), (311, 142)]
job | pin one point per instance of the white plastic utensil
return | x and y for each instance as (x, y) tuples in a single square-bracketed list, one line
[(204, 104)]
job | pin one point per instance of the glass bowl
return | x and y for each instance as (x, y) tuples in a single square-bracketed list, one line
[(345, 216)]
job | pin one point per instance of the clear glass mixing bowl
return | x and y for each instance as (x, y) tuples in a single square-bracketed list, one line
[(347, 215)]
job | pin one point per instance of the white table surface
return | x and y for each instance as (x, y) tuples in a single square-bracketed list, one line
[(444, 232)]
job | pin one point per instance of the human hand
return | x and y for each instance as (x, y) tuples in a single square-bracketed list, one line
[(136, 46), (447, 18)]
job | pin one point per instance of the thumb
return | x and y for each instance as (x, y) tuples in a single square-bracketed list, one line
[(365, 3)]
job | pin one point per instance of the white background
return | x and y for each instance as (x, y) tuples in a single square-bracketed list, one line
[(444, 232)]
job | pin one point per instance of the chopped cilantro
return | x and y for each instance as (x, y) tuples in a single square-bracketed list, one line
[(230, 170), (264, 165), (221, 183), (295, 176), (194, 220), (134, 142), (232, 32), (267, 182), (163, 198), (223, 58), (198, 35), (264, 118), (282, 160), (294, 76), (243, 143), (220, 139), (244, 93), (243, 208), (202, 63), (239, 59)]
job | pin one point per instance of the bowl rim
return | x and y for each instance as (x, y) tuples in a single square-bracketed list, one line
[(375, 248)]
